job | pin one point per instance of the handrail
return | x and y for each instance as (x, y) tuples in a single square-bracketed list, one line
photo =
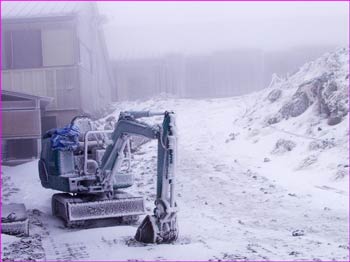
[(86, 142)]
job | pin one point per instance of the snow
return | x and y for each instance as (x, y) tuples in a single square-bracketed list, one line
[(234, 204)]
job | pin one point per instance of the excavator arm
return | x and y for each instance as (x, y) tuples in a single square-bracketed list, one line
[(161, 227)]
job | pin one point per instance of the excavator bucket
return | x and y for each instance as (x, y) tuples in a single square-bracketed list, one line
[(147, 231), (154, 230)]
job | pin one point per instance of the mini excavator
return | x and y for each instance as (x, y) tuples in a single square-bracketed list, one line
[(92, 170)]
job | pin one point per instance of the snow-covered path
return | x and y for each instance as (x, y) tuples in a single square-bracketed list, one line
[(233, 205), (239, 212)]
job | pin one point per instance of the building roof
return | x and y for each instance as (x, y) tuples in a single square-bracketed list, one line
[(44, 100), (29, 9)]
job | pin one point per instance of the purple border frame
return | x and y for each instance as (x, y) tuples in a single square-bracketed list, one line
[(185, 1), (175, 1)]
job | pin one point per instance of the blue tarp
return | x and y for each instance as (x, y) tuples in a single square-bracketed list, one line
[(65, 139)]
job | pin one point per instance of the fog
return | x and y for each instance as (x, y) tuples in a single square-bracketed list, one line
[(138, 29), (196, 49), (183, 49)]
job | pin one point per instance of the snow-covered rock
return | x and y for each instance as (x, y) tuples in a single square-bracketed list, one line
[(274, 95), (322, 84), (283, 145)]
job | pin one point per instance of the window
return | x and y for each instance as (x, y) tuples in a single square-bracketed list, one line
[(15, 149), (36, 48), (47, 123), (58, 47), (23, 49)]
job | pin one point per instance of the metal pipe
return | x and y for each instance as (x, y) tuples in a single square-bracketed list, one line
[(140, 114)]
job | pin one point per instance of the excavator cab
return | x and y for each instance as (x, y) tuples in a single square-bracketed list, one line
[(63, 156)]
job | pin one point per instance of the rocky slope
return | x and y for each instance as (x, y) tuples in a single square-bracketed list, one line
[(321, 84), (307, 111)]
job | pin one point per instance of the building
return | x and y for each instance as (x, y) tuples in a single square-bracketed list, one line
[(21, 126), (56, 49)]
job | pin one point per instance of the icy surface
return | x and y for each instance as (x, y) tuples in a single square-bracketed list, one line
[(238, 199)]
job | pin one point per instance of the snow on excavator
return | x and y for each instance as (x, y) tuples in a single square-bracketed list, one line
[(92, 166)]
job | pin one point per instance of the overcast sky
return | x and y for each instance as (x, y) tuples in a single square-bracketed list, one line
[(141, 29)]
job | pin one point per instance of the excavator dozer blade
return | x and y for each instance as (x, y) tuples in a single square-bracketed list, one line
[(74, 209), (152, 230)]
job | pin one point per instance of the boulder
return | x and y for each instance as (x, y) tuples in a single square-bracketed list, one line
[(296, 106), (334, 120), (283, 145), (321, 144), (274, 95)]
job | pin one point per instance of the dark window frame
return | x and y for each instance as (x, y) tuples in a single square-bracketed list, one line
[(25, 57)]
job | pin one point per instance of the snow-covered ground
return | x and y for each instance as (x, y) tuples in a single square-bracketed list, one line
[(241, 194)]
